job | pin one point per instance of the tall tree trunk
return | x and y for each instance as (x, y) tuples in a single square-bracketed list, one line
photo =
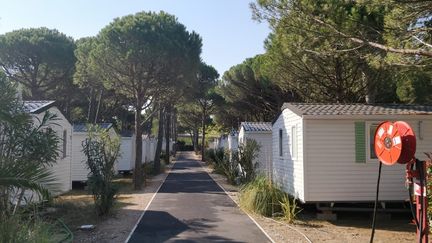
[(340, 93), (138, 176), (370, 88), (167, 133), (174, 130), (203, 120), (90, 105), (192, 137), (149, 128), (195, 141), (98, 107), (159, 141)]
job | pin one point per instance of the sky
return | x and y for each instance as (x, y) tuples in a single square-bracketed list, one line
[(226, 26)]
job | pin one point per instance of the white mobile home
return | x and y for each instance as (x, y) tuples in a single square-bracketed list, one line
[(62, 168), (79, 168), (127, 151), (151, 149), (261, 132), (233, 141), (222, 142), (324, 152), (126, 160)]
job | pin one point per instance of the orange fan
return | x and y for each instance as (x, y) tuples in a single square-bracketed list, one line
[(395, 142)]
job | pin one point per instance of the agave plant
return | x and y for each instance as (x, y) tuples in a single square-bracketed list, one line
[(26, 151)]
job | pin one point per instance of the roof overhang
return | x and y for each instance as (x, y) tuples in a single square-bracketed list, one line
[(43, 107), (367, 117)]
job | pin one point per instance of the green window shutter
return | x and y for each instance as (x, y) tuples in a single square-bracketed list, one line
[(360, 142)]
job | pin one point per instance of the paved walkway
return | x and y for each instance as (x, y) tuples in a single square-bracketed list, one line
[(191, 207)]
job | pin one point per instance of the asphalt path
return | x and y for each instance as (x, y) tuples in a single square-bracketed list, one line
[(191, 207)]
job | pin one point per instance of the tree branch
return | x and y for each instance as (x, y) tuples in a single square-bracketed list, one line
[(403, 51)]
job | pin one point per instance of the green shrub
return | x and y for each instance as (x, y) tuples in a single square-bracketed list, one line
[(210, 155), (261, 196), (247, 153), (223, 166), (101, 151), (219, 169), (230, 169), (219, 154), (215, 158)]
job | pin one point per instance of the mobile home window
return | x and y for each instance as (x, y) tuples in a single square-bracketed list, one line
[(294, 142), (64, 143), (280, 143), (372, 129)]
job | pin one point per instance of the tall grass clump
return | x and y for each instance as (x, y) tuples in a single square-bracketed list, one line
[(289, 208), (262, 197)]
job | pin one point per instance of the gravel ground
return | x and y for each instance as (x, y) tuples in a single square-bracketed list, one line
[(117, 228)]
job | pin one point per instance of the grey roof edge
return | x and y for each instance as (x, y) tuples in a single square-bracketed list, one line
[(292, 107), (83, 124), (242, 124), (49, 104)]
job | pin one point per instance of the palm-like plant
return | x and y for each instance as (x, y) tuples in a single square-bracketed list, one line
[(27, 150)]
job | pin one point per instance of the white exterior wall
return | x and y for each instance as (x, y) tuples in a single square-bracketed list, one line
[(152, 149), (144, 157), (164, 145), (264, 139), (126, 161), (79, 168), (232, 142), (288, 172), (148, 157), (232, 145), (145, 151), (332, 173), (216, 143), (127, 149), (223, 143), (62, 168)]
